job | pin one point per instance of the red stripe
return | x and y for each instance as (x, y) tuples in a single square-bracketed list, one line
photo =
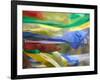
[(41, 47), (35, 14)]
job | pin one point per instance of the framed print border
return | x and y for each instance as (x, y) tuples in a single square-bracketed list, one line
[(14, 31)]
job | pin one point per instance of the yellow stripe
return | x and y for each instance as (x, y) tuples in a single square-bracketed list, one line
[(84, 26), (42, 57), (49, 27), (41, 27)]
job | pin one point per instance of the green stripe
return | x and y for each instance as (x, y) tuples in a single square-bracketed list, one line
[(32, 51), (76, 22)]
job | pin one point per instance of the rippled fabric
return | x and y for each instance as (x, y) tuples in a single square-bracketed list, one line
[(66, 20)]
